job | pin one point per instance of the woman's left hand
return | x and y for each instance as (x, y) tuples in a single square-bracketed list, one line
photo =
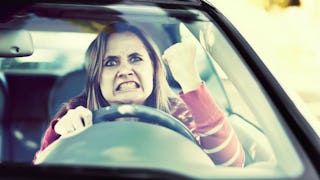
[(181, 58)]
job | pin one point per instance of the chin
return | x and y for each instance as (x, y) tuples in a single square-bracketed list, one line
[(132, 101)]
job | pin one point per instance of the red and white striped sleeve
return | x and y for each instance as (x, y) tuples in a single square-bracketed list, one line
[(217, 137)]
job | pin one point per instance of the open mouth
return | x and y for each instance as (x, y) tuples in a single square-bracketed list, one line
[(125, 86)]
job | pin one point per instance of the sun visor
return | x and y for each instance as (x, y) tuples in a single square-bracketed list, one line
[(15, 43)]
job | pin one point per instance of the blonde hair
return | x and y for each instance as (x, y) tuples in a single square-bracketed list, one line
[(161, 92)]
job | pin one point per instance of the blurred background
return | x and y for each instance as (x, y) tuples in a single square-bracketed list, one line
[(286, 35)]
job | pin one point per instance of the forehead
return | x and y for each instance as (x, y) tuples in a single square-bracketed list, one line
[(125, 42)]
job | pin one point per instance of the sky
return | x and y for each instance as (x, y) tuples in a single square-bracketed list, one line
[(287, 40)]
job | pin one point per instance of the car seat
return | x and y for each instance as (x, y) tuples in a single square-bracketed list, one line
[(66, 87)]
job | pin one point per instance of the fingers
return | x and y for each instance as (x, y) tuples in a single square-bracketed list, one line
[(85, 115), (171, 52), (182, 51), (74, 120)]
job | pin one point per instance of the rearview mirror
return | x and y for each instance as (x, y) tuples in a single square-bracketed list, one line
[(15, 43)]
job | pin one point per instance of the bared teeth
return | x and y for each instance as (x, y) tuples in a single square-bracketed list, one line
[(127, 86)]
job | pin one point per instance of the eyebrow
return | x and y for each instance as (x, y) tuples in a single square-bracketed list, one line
[(111, 57), (134, 54), (117, 57)]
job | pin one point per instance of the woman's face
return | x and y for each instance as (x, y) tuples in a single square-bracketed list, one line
[(127, 75)]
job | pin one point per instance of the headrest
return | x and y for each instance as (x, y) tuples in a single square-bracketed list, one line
[(66, 87)]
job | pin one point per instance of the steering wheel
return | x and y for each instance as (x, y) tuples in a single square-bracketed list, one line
[(146, 114)]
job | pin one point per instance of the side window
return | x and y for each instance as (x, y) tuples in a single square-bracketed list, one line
[(207, 70), (237, 103)]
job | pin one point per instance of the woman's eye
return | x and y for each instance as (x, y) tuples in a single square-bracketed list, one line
[(111, 62), (135, 59)]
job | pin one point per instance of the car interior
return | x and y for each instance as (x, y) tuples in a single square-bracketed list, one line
[(29, 99), (4, 109)]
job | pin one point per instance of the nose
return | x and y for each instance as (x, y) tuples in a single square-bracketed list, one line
[(125, 70)]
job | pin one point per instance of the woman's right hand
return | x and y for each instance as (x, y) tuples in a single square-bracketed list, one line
[(75, 120)]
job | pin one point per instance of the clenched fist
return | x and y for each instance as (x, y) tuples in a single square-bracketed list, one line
[(75, 120), (181, 58)]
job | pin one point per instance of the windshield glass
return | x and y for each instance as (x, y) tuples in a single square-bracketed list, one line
[(99, 60)]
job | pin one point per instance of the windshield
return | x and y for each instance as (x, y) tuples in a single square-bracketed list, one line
[(67, 68)]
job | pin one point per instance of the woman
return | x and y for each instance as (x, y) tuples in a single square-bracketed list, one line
[(125, 68)]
